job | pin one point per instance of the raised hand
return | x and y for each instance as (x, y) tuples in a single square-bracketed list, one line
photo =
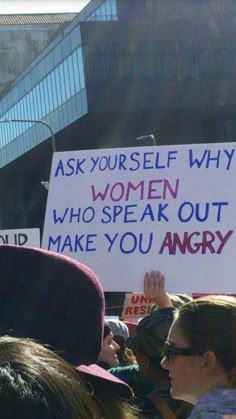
[(154, 288)]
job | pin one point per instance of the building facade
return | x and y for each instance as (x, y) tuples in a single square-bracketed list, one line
[(22, 38), (119, 70)]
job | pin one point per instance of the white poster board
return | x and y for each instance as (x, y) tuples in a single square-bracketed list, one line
[(136, 305), (126, 211), (21, 237)]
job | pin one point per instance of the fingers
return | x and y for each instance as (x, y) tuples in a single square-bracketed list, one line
[(154, 288), (154, 284)]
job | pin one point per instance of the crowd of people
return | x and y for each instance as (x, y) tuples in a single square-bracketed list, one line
[(59, 358)]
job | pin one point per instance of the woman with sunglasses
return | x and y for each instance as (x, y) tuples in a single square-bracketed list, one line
[(200, 355)]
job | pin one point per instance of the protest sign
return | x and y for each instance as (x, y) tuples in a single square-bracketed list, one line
[(126, 211), (136, 305), (21, 237)]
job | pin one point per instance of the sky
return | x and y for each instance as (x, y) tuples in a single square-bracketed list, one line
[(41, 6)]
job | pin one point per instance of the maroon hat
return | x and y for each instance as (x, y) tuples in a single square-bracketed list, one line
[(57, 301), (94, 374), (53, 299)]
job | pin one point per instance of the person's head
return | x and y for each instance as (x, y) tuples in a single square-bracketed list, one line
[(200, 352), (36, 383), (108, 354), (120, 335), (57, 301), (53, 299), (118, 328), (147, 343)]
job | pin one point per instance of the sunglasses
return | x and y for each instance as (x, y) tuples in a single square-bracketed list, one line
[(170, 350)]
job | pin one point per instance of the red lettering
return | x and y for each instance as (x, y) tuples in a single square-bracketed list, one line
[(207, 242), (128, 310), (152, 189), (187, 241), (136, 310), (135, 299), (177, 243), (144, 299), (172, 243), (143, 310), (208, 238), (223, 240), (167, 242)]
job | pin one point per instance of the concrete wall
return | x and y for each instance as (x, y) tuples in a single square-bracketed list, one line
[(19, 45)]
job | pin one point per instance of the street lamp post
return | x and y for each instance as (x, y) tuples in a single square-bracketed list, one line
[(149, 137), (36, 121)]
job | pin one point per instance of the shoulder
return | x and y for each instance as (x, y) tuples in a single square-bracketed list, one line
[(140, 384), (128, 369), (216, 404), (211, 415)]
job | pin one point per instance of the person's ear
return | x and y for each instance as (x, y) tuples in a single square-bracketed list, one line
[(209, 361)]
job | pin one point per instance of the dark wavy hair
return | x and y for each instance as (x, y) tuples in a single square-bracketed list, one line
[(35, 383)]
